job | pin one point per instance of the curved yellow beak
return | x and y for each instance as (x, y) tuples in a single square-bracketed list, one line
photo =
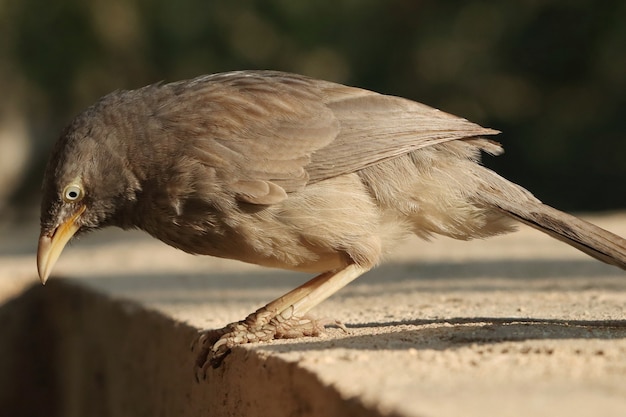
[(51, 245)]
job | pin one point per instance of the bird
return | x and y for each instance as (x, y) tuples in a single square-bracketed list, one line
[(284, 171)]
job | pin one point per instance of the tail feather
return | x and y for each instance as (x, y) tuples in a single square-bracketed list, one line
[(584, 236)]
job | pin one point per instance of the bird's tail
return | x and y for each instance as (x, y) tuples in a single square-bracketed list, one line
[(588, 238)]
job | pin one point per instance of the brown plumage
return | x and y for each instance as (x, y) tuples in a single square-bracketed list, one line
[(284, 171)]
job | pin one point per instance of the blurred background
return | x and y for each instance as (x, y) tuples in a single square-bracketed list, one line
[(550, 74)]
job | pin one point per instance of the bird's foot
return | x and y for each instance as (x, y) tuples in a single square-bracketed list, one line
[(260, 326)]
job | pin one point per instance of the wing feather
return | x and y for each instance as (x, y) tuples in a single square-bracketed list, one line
[(266, 133), (376, 127)]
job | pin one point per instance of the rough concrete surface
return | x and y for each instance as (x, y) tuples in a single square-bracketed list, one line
[(519, 325)]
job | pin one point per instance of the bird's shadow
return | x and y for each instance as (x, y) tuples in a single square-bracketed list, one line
[(454, 333)]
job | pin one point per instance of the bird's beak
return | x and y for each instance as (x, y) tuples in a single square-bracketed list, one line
[(51, 244)]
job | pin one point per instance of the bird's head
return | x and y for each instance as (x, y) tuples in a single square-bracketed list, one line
[(87, 183)]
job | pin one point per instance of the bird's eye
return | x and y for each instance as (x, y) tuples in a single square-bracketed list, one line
[(72, 193)]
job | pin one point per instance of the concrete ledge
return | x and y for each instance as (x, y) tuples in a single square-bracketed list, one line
[(515, 326), (100, 357)]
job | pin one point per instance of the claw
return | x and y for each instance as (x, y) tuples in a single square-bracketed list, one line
[(217, 346), (198, 341)]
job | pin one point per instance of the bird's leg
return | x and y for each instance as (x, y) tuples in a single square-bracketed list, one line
[(281, 318)]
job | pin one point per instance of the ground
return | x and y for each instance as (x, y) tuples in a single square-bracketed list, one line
[(512, 326)]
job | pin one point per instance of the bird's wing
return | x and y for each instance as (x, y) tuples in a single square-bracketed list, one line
[(376, 127), (270, 133), (256, 130)]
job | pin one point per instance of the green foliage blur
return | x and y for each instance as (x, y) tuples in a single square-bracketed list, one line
[(550, 74)]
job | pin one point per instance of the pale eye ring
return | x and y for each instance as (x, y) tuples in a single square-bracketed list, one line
[(73, 193)]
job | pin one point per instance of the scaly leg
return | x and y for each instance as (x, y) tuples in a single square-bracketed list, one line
[(282, 318)]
